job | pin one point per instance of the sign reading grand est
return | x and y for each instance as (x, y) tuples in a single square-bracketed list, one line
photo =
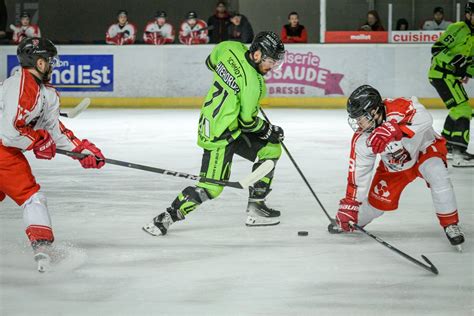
[(77, 72)]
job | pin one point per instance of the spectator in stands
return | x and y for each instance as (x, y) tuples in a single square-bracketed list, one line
[(158, 32), (240, 29), (121, 33), (438, 22), (373, 22), (218, 24), (25, 29), (294, 32), (402, 25), (193, 31)]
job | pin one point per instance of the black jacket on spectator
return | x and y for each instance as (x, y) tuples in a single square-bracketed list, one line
[(218, 28), (241, 33)]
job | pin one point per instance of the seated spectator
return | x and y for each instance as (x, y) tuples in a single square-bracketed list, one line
[(158, 32), (218, 24), (25, 29), (438, 22), (373, 22), (121, 33), (402, 25), (240, 29), (193, 30), (294, 32)]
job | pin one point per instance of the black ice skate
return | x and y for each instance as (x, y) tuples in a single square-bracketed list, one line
[(455, 235), (161, 223), (258, 213), (462, 159)]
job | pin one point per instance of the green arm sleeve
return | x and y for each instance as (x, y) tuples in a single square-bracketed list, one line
[(449, 39), (249, 107)]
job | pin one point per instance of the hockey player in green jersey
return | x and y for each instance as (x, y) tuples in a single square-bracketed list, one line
[(229, 124), (452, 62)]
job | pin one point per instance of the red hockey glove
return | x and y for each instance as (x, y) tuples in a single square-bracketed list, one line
[(95, 158), (348, 212), (44, 147), (383, 135)]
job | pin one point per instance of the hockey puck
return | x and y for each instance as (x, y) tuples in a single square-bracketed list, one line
[(302, 233)]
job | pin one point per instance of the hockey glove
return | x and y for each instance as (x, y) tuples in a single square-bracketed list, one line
[(274, 134), (348, 212), (44, 147), (383, 135), (95, 158)]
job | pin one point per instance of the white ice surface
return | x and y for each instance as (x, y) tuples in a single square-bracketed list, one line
[(211, 264)]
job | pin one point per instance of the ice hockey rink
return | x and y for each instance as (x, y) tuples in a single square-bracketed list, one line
[(212, 264)]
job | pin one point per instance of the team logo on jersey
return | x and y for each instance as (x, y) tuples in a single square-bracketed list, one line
[(227, 77), (77, 72), (381, 189), (302, 72)]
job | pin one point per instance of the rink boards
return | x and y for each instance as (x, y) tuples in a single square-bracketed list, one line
[(313, 75)]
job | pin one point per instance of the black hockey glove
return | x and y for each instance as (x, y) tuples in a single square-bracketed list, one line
[(460, 63), (274, 134)]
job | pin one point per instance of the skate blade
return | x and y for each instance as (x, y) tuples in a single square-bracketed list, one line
[(152, 230), (257, 222), (43, 262)]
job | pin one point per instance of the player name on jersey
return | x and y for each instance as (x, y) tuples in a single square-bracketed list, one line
[(227, 77)]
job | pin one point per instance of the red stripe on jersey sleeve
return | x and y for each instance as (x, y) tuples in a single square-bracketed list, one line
[(29, 94)]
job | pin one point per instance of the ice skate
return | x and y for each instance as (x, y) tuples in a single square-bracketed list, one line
[(462, 159), (455, 236), (259, 214), (43, 252), (162, 222)]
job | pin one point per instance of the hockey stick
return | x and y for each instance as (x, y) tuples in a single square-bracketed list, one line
[(333, 222), (77, 109), (430, 267), (264, 169)]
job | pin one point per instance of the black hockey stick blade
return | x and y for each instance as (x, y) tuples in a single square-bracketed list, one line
[(264, 169), (430, 267)]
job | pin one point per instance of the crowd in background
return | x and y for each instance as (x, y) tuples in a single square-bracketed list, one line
[(221, 26)]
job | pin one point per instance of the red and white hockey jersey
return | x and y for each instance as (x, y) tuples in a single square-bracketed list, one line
[(121, 35), (25, 107), (193, 35), (158, 35), (416, 124), (21, 32)]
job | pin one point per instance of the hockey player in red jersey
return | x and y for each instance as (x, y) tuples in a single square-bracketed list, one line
[(29, 112), (25, 29), (401, 132), (121, 33), (193, 30), (158, 32)]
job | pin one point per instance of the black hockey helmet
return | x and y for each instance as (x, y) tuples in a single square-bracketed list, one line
[(31, 49), (161, 14), (191, 15), (270, 44), (361, 105)]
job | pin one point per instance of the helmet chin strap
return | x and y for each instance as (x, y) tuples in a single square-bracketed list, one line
[(45, 76)]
